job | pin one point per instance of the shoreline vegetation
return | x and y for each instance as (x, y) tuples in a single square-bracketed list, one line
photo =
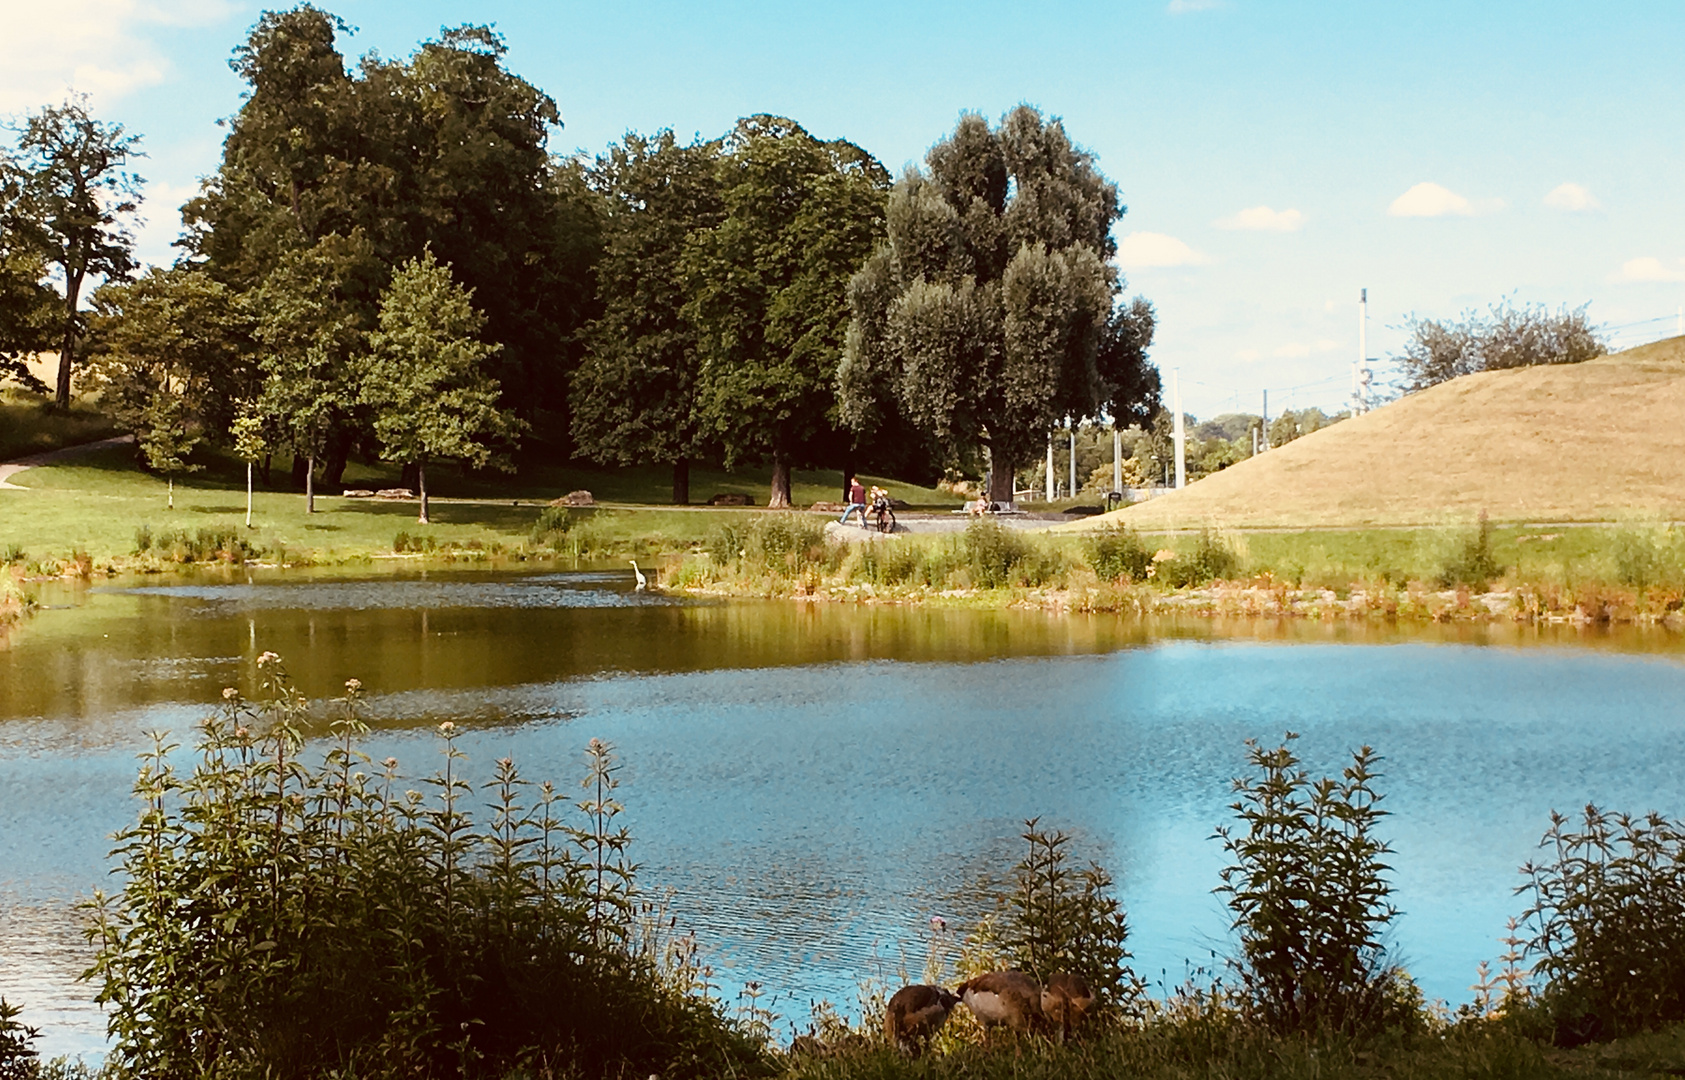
[(289, 907)]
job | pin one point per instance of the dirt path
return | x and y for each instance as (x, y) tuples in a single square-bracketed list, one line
[(10, 469)]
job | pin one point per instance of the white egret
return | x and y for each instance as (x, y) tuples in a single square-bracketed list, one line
[(643, 583)]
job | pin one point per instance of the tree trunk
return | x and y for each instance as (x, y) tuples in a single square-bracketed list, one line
[(300, 466), (310, 484), (780, 498), (67, 354), (248, 494), (172, 499), (1000, 478), (681, 482), (421, 484), (333, 468)]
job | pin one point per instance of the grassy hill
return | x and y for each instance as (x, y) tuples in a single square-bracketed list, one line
[(1599, 441)]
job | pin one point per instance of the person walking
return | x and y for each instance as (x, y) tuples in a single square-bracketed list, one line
[(856, 501)]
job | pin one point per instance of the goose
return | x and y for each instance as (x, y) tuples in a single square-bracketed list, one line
[(916, 1013), (1003, 998), (1065, 1001), (643, 582)]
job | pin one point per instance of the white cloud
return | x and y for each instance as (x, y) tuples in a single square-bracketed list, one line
[(1144, 249), (1573, 198), (1650, 268), (1430, 200), (1177, 7), (161, 211), (97, 47), (1263, 219)]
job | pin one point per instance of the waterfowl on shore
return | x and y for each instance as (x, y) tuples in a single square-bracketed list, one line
[(1003, 999), (916, 1013), (1065, 1001), (643, 583)]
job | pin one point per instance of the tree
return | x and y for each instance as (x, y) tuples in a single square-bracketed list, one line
[(990, 314), (251, 441), (1505, 337), (27, 305), (634, 392), (768, 291), (76, 202), (166, 435), (426, 376), (312, 323)]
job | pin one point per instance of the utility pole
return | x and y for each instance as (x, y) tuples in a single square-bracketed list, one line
[(1050, 488), (1360, 369), (1265, 426), (1180, 435), (1117, 458), (1073, 459)]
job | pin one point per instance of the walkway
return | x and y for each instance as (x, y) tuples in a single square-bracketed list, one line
[(10, 469)]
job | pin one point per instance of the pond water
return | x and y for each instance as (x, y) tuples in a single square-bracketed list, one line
[(813, 782)]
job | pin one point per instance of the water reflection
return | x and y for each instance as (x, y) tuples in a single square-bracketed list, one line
[(814, 781)]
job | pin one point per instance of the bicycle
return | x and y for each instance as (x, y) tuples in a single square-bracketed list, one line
[(885, 514)]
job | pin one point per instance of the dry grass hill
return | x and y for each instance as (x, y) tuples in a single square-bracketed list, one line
[(1599, 441)]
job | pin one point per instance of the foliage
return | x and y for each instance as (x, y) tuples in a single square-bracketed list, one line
[(1607, 913), (1472, 563), (634, 390), (284, 914), (202, 545), (989, 313), (554, 523), (19, 1059), (426, 377), (778, 542), (1212, 559), (29, 308), (996, 553), (1058, 918), (1505, 337), (767, 288), (1308, 889), (75, 204), (1117, 553)]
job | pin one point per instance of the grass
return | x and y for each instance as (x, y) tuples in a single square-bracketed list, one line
[(1597, 441), (26, 427), (96, 503)]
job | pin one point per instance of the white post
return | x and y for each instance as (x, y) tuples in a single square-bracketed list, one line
[(248, 494), (1117, 458), (1180, 434), (1050, 466), (1073, 459), (1266, 424), (1360, 369)]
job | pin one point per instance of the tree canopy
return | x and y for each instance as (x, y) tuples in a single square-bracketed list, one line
[(990, 313), (1506, 336)]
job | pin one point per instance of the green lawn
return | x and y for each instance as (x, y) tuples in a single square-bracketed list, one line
[(96, 503), (26, 427)]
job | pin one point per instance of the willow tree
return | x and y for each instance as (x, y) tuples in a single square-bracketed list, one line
[(992, 311), (426, 376)]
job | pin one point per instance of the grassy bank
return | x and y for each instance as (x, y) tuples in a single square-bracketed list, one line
[(1622, 573), (27, 427)]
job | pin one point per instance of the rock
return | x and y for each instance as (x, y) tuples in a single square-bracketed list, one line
[(575, 498), (829, 507), (357, 493), (394, 493), (732, 498)]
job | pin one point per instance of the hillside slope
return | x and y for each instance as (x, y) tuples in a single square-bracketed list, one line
[(1597, 441)]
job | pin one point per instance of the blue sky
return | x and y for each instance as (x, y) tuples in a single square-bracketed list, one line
[(1275, 157)]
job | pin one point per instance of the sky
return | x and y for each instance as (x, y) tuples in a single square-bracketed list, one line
[(1275, 158)]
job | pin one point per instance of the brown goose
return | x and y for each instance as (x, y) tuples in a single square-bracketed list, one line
[(916, 1013), (1003, 998), (1065, 1001)]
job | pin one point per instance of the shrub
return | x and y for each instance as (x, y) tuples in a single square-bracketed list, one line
[(204, 545), (1607, 915), (1118, 552), (995, 552), (285, 914), (1473, 563), (13, 555), (18, 1059), (1058, 918), (553, 524), (728, 542), (1211, 558), (1309, 897)]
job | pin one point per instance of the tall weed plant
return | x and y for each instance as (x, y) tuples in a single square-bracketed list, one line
[(292, 910), (1607, 915), (1310, 896)]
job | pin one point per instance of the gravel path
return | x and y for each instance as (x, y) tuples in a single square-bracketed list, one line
[(924, 522)]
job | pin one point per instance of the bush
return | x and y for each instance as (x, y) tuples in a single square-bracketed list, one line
[(552, 526), (18, 1060), (1473, 564), (1211, 559), (405, 542), (1309, 896), (1117, 553), (289, 915), (205, 545), (1607, 915)]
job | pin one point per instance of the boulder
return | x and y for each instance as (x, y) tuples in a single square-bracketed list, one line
[(829, 507), (394, 493), (732, 498), (357, 493), (575, 498)]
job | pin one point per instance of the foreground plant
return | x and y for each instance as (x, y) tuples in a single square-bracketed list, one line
[(285, 912)]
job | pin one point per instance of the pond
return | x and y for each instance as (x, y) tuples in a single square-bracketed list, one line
[(812, 782)]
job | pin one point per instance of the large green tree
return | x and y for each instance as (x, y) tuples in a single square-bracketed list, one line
[(991, 311), (426, 377), (444, 150), (768, 291), (635, 391), (76, 202), (1505, 337)]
